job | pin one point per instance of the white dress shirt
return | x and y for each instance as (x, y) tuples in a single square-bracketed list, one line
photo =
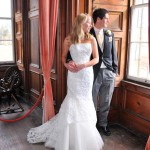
[(100, 39)]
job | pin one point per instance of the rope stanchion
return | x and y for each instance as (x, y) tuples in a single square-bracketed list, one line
[(26, 114)]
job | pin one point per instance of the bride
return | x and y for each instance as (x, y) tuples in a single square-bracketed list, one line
[(74, 127)]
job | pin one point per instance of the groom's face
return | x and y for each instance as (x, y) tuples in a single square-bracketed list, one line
[(104, 22)]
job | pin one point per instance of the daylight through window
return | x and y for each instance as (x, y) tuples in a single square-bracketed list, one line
[(6, 32), (138, 66)]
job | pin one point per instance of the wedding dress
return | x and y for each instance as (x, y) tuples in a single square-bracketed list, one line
[(74, 127)]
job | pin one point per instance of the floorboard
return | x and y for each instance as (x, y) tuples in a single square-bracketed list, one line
[(13, 135)]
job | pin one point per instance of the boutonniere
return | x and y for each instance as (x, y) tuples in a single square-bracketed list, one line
[(108, 33)]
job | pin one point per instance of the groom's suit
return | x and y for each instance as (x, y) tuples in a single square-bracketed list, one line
[(104, 75), (108, 56)]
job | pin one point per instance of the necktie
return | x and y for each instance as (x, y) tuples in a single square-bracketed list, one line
[(100, 39)]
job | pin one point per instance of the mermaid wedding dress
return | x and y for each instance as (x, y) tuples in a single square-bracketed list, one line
[(74, 127)]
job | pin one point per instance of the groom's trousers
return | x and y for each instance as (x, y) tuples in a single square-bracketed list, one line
[(103, 88)]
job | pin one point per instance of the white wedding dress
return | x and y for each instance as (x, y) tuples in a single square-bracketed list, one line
[(74, 127)]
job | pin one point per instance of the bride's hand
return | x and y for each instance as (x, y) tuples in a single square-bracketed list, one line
[(71, 66), (80, 67)]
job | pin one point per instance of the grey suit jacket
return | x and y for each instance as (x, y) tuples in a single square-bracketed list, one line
[(108, 56)]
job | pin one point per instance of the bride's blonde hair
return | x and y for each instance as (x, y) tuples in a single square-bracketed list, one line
[(77, 33)]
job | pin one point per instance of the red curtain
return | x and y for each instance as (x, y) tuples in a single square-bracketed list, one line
[(148, 144), (48, 10)]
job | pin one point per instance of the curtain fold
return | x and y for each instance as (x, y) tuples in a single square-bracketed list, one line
[(148, 144), (48, 10)]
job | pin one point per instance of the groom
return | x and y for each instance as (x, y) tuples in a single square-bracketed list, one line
[(105, 71)]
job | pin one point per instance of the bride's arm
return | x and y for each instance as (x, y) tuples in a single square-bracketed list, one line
[(65, 50), (71, 66), (94, 53)]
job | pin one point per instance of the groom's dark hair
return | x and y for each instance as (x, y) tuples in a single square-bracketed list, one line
[(99, 13)]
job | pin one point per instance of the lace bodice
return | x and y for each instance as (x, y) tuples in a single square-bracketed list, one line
[(81, 52)]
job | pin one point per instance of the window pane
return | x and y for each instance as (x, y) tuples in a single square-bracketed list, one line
[(139, 27), (6, 32), (6, 51), (5, 8), (139, 60), (138, 68), (140, 2), (5, 29)]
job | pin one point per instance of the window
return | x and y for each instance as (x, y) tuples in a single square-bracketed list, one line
[(138, 65), (6, 32)]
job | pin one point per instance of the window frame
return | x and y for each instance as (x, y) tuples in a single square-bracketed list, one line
[(129, 77)]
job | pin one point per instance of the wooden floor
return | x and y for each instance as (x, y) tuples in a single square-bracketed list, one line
[(13, 135)]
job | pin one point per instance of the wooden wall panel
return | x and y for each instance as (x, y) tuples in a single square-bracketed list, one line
[(135, 106), (116, 20), (85, 6), (35, 71), (35, 79), (111, 2), (54, 89), (113, 116), (137, 125), (35, 54)]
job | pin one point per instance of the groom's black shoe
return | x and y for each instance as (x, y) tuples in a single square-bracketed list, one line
[(104, 129)]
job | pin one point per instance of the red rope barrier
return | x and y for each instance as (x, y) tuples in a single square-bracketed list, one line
[(26, 114)]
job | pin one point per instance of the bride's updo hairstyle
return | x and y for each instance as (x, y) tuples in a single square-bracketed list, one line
[(77, 34)]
